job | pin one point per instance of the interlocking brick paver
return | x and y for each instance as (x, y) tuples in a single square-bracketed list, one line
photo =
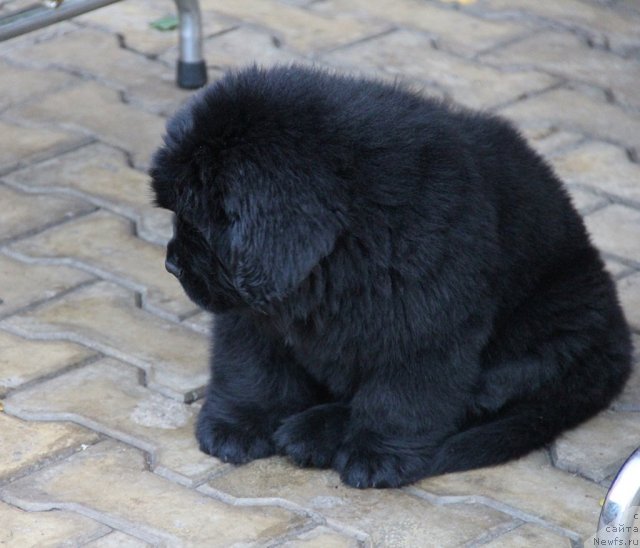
[(576, 111), (22, 360), (19, 144), (452, 30), (530, 485), (598, 448), (30, 212), (19, 83), (200, 322), (104, 244), (548, 140), (602, 166), (134, 499), (102, 355), (529, 536), (28, 444), (607, 26), (614, 229), (146, 82), (387, 517), (410, 55), (567, 55), (629, 400), (584, 200), (629, 291), (300, 29), (108, 397), (99, 174), (50, 33), (24, 284), (55, 528), (116, 539), (104, 316), (244, 45), (132, 20), (321, 537), (98, 111)]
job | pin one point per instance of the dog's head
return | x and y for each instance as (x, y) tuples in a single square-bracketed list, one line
[(257, 204)]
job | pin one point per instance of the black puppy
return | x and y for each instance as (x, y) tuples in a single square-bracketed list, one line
[(402, 288)]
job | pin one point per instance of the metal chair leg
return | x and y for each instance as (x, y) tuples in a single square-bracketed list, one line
[(41, 15), (622, 505), (192, 70)]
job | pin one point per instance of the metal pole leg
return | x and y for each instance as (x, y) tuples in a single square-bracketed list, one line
[(622, 505), (192, 71)]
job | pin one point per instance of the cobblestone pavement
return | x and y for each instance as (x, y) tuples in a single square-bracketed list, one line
[(102, 357)]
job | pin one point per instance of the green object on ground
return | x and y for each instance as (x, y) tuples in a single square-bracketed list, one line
[(170, 22)]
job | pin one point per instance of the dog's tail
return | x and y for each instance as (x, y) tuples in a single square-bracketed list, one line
[(531, 423)]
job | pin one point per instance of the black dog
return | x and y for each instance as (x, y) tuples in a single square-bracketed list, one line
[(402, 288)]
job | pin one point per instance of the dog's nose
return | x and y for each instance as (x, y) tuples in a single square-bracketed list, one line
[(172, 267)]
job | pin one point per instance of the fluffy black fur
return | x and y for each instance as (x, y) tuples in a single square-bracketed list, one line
[(401, 288)]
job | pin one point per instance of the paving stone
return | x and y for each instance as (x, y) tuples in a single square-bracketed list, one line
[(146, 82), (26, 445), (629, 293), (614, 229), (104, 316), (629, 400), (26, 284), (19, 144), (117, 539), (602, 166), (389, 517), (547, 141), (21, 83), (302, 30), (25, 529), (575, 111), (200, 322), (321, 537), (527, 536), (50, 33), (30, 212), (132, 21), (409, 54), (529, 485), (617, 269), (22, 361), (103, 244), (566, 55), (584, 200), (98, 111), (107, 397), (99, 174), (134, 499), (242, 46), (607, 25), (452, 30), (597, 448)]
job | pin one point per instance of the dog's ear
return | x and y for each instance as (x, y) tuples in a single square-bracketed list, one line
[(283, 222)]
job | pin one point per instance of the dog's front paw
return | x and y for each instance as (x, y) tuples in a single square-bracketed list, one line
[(363, 461), (312, 437), (233, 442)]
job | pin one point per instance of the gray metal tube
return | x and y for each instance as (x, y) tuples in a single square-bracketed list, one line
[(38, 16), (190, 30), (192, 71), (622, 505)]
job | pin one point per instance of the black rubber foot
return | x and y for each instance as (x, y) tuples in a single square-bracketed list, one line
[(192, 75)]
